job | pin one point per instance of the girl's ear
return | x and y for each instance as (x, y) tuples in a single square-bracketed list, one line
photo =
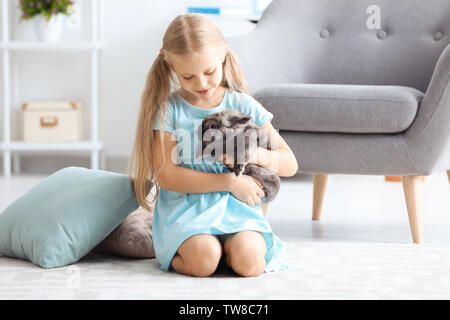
[(225, 54), (161, 52)]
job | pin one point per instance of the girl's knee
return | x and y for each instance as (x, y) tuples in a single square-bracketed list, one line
[(248, 265), (201, 255), (246, 254)]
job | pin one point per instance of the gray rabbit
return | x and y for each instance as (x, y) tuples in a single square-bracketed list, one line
[(242, 136)]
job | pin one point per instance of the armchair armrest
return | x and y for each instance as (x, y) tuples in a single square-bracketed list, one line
[(428, 138)]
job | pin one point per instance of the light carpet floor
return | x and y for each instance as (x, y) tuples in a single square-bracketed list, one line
[(361, 249), (338, 270)]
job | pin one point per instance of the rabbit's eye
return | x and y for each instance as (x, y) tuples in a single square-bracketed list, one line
[(213, 126)]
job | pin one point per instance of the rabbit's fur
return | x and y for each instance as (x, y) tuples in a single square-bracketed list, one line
[(243, 136)]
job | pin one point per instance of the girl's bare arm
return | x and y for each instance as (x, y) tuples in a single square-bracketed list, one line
[(179, 179), (281, 161)]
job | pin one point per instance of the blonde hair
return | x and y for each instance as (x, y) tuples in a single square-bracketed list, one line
[(186, 34)]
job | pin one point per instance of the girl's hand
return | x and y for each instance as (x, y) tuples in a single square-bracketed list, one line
[(247, 189)]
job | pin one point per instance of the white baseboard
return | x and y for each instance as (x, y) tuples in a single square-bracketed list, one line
[(50, 163)]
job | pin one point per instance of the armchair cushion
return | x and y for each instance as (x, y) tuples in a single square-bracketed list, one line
[(341, 108)]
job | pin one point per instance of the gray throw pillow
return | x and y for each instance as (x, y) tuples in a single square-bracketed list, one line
[(133, 237)]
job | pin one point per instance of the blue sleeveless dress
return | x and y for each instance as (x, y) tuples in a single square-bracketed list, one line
[(178, 216)]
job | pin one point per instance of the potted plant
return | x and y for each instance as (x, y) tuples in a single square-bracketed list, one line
[(47, 15)]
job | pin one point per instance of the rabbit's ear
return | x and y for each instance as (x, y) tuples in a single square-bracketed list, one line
[(239, 120)]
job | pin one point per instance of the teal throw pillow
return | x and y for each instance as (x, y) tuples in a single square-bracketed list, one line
[(65, 216)]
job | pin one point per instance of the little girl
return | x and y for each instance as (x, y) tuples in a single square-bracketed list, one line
[(203, 212)]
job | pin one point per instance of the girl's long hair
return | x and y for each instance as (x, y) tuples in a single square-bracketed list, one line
[(186, 34)]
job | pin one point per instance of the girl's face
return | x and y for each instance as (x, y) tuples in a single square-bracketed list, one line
[(200, 74)]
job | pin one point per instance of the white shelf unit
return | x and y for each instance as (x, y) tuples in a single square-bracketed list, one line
[(12, 148)]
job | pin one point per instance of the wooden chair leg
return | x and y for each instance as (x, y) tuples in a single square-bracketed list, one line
[(448, 174), (320, 184), (413, 196)]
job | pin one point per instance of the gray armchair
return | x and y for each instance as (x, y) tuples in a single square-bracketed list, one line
[(349, 99)]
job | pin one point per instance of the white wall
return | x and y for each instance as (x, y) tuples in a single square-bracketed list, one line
[(133, 41), (132, 31)]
